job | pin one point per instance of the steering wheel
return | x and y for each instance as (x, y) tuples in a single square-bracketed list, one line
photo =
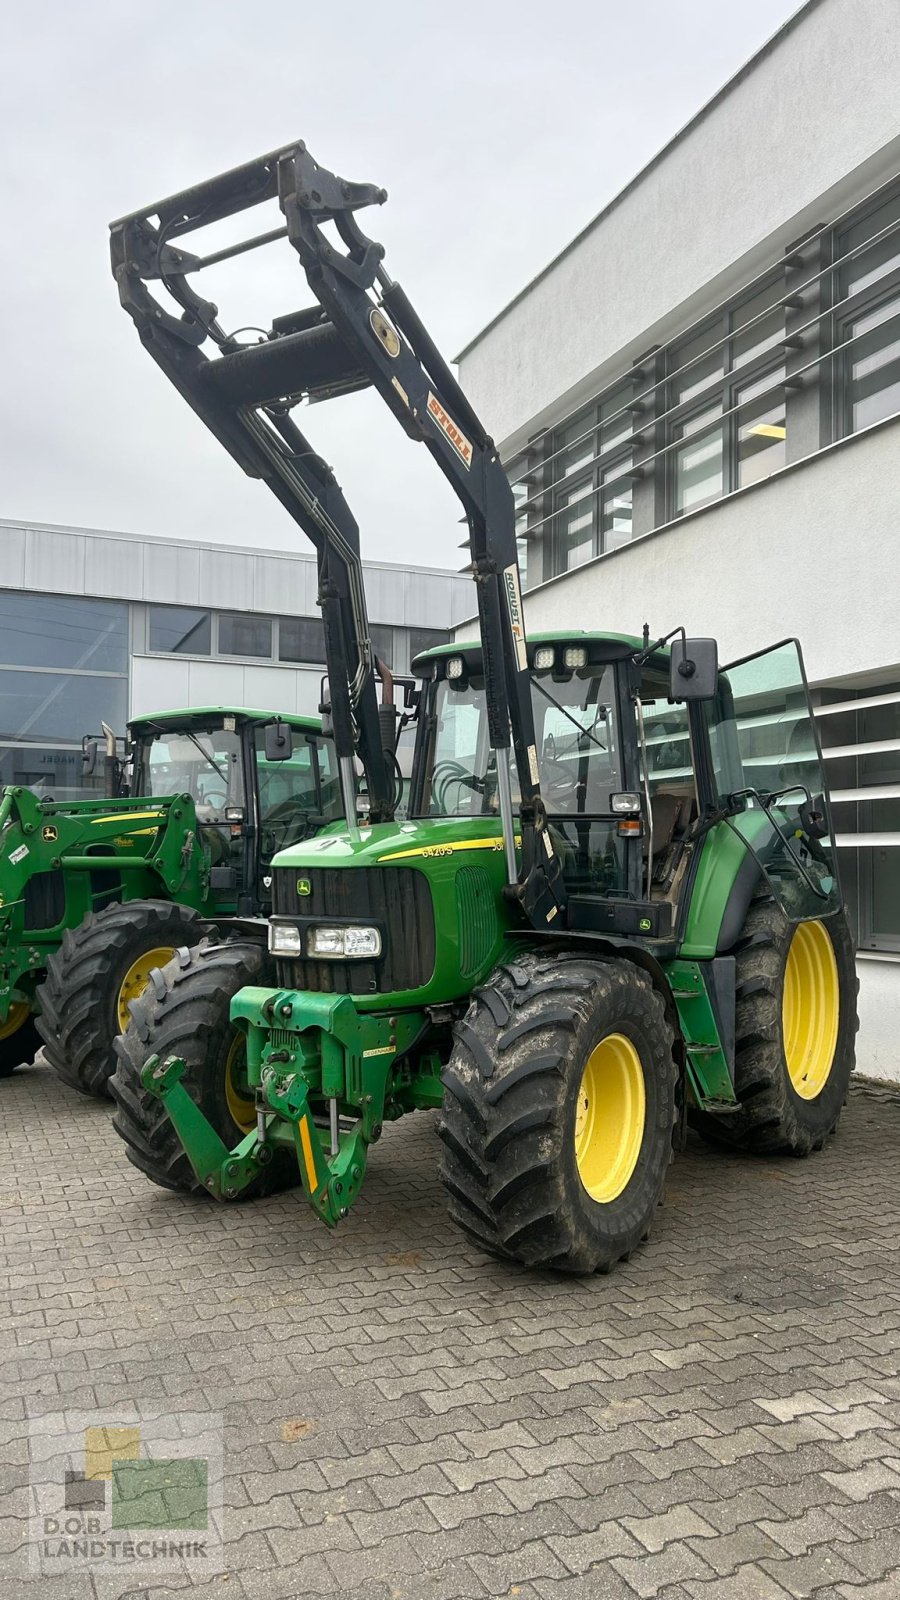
[(282, 817)]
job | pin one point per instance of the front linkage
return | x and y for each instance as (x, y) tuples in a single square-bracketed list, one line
[(310, 1058)]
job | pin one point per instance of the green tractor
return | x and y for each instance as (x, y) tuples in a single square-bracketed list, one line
[(96, 893), (634, 922)]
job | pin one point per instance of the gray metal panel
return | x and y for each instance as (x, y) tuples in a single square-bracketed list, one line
[(226, 579), (463, 600), (386, 595), (286, 587), (428, 600), (158, 684), (172, 573), (13, 543), (54, 562), (113, 567)]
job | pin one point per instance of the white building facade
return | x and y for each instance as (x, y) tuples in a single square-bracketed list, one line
[(698, 402)]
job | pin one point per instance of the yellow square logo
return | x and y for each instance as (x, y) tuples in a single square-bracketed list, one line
[(103, 1446)]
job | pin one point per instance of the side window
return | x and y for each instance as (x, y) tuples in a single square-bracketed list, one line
[(763, 739), (668, 746)]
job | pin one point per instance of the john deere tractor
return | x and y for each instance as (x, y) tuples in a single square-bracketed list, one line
[(96, 893), (612, 905)]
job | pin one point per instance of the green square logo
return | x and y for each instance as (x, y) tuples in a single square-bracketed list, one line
[(160, 1494), (304, 886)]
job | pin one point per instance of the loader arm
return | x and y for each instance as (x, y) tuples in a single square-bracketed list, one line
[(362, 332)]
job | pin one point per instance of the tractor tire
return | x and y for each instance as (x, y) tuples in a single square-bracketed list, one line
[(19, 1038), (100, 967), (795, 1014), (185, 1011), (559, 1112)]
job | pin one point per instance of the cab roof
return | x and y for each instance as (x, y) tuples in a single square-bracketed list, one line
[(601, 647), (184, 716)]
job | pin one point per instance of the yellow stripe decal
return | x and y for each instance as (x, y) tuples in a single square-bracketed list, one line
[(308, 1157), (123, 821), (446, 849)]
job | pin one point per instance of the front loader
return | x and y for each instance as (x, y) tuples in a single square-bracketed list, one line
[(613, 904), (94, 894)]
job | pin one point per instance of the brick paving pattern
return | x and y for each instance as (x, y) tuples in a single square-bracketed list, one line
[(407, 1420)]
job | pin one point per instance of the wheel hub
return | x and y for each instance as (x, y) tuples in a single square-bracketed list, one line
[(810, 1009), (137, 978), (610, 1116)]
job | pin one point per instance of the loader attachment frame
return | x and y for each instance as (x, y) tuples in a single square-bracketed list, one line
[(361, 332)]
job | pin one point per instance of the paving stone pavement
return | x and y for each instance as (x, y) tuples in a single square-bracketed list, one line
[(407, 1420)]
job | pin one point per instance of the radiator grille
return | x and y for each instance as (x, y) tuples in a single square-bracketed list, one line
[(397, 898), (476, 917)]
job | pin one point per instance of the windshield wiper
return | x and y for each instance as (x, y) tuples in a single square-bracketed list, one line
[(223, 773), (566, 713)]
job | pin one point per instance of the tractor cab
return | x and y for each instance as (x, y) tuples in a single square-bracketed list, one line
[(259, 782), (636, 762)]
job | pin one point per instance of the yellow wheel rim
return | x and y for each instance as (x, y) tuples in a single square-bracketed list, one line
[(810, 1009), (240, 1104), (17, 1016), (609, 1119), (137, 978)]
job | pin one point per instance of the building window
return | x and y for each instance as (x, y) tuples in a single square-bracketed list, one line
[(382, 639), (425, 639), (591, 472), (52, 630), (301, 639), (242, 634), (727, 396), (47, 706), (54, 773), (860, 735), (179, 630), (867, 323)]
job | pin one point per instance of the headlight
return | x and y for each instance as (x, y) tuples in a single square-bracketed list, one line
[(544, 657), (574, 656), (331, 940), (624, 805), (455, 667), (285, 939)]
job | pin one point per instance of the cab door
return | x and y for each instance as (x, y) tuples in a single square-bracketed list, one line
[(768, 770)]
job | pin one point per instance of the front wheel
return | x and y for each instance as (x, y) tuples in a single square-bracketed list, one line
[(186, 1011), (559, 1109), (795, 1015), (100, 968)]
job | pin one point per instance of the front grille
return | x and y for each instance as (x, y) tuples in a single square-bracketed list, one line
[(397, 898)]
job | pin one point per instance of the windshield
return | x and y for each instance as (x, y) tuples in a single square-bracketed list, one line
[(299, 796), (576, 732), (205, 765)]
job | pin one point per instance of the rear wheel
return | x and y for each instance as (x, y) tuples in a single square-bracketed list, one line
[(19, 1038), (99, 969), (558, 1112), (185, 1012), (795, 1013)]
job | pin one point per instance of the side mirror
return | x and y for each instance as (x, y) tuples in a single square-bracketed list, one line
[(694, 669), (89, 752), (279, 742)]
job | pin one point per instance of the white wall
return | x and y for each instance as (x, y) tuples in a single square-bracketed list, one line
[(813, 552), (877, 1052), (163, 683), (773, 157)]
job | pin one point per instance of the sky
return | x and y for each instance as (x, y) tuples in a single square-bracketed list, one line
[(498, 128)]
